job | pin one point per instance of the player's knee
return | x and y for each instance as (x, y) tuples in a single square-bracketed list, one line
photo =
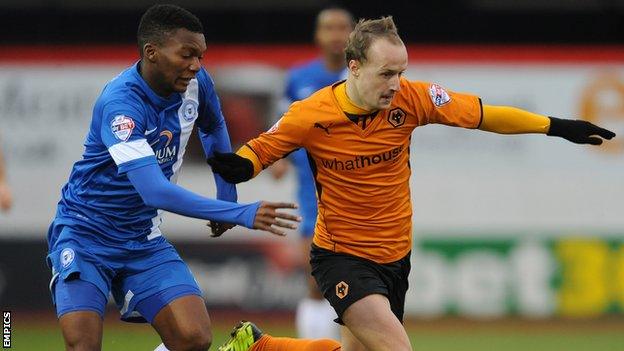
[(202, 341), (81, 332), (82, 343), (191, 339)]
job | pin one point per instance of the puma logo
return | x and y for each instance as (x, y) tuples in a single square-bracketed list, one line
[(325, 128)]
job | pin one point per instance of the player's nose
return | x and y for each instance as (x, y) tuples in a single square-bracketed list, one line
[(195, 65), (395, 84)]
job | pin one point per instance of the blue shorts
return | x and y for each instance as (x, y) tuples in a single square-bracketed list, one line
[(142, 278)]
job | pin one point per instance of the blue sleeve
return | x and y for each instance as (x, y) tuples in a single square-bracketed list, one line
[(213, 132), (121, 121), (158, 192), (122, 131)]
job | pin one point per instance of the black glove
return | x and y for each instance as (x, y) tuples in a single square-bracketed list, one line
[(578, 131), (218, 228), (231, 167)]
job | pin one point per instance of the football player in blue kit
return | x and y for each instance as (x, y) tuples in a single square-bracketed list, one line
[(105, 237), (314, 315)]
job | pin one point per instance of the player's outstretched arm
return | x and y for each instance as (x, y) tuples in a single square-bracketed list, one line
[(267, 219), (511, 120), (158, 192)]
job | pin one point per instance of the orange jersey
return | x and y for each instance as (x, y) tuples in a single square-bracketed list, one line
[(362, 175)]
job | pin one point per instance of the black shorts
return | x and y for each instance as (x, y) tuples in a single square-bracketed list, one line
[(344, 279)]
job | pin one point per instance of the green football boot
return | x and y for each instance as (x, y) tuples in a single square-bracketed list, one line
[(242, 337)]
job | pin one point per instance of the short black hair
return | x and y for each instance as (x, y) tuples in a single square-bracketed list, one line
[(335, 7), (161, 20)]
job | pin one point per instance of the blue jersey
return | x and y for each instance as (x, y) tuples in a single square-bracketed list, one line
[(132, 127), (302, 82)]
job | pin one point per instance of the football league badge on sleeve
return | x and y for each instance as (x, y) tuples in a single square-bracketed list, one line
[(439, 96), (122, 127), (275, 127)]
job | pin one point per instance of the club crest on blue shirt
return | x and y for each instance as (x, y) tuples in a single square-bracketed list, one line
[(67, 257), (189, 110), (439, 96), (122, 127)]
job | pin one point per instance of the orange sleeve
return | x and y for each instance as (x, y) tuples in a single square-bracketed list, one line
[(285, 136), (246, 152), (446, 107), (511, 120)]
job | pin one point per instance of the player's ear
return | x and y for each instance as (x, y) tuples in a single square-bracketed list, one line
[(149, 52), (354, 67)]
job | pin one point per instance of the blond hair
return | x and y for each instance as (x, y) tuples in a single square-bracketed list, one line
[(365, 32)]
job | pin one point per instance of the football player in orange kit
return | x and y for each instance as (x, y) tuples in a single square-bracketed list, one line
[(314, 315), (357, 136)]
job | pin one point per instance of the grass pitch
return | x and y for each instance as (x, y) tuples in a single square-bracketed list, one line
[(447, 335)]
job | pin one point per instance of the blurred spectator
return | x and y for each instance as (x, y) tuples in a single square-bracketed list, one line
[(245, 121), (5, 192)]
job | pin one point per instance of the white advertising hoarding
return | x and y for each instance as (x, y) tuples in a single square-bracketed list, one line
[(463, 181)]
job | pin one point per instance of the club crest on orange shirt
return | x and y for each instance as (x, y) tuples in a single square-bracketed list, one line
[(342, 289), (396, 117)]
